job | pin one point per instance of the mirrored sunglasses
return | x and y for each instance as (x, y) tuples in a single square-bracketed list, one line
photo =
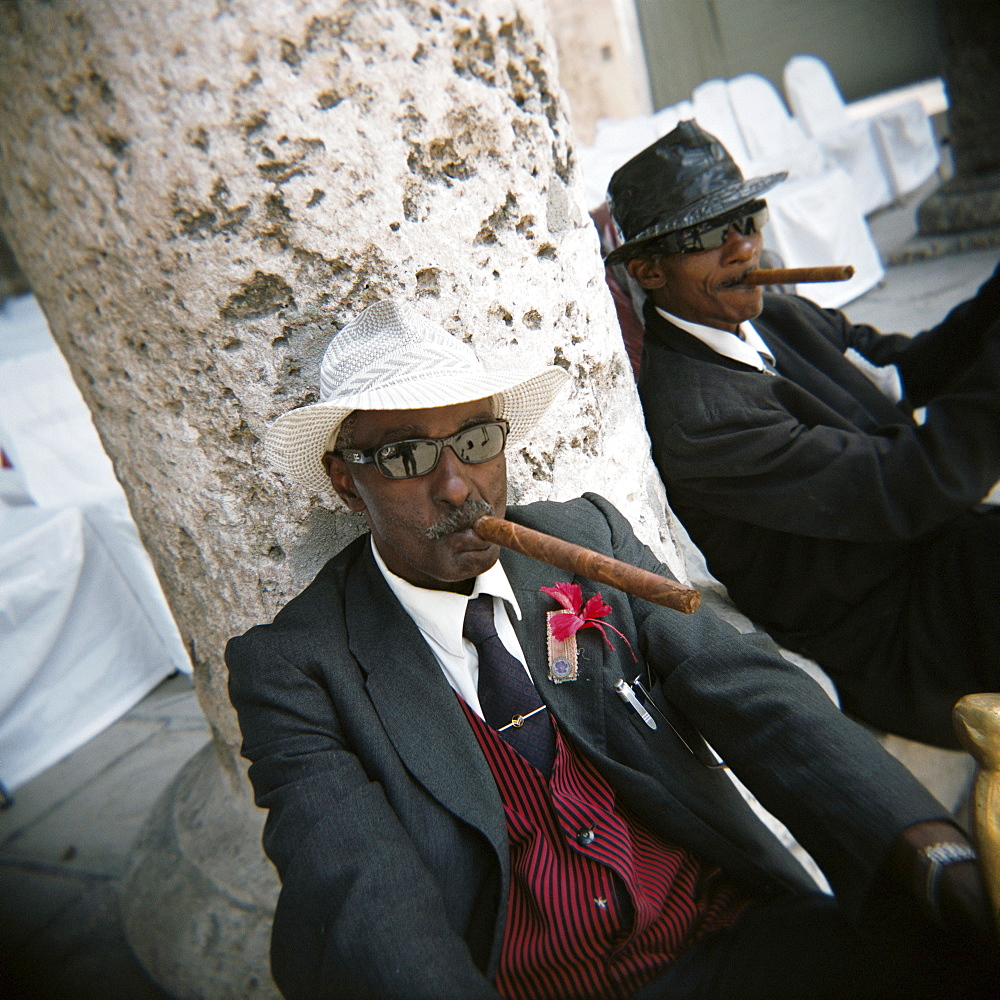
[(711, 235), (419, 456)]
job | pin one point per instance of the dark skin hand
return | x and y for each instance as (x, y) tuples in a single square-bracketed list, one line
[(962, 898)]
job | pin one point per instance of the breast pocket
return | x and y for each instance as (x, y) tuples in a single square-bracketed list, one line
[(650, 710)]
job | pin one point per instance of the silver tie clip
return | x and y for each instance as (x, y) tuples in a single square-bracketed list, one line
[(627, 695)]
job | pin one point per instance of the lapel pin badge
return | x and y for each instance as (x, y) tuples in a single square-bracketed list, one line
[(562, 654), (562, 626)]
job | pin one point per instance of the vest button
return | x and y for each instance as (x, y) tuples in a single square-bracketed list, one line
[(584, 837)]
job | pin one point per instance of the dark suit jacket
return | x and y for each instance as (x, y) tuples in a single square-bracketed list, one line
[(810, 493), (385, 823)]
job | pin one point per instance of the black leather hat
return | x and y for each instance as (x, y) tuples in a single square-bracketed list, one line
[(683, 179)]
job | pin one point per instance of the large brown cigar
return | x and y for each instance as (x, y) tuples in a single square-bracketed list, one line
[(798, 275), (576, 559)]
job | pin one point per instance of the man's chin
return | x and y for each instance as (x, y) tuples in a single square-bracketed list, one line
[(746, 302), (472, 551), (468, 558)]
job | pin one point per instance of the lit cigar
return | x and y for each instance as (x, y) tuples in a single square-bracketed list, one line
[(798, 275), (576, 559)]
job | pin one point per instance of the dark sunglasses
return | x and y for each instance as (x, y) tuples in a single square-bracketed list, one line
[(418, 456), (711, 235)]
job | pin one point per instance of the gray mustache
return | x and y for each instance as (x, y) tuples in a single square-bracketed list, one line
[(460, 518)]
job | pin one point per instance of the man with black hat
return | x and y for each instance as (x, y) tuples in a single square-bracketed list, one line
[(466, 802), (786, 439)]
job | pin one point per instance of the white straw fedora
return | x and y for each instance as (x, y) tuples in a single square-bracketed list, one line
[(389, 357)]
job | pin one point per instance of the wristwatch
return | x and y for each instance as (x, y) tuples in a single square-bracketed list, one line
[(938, 857)]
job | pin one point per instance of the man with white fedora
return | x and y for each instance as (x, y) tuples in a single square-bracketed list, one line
[(785, 436), (488, 778)]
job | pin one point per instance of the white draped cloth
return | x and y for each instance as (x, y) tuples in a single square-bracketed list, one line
[(85, 631)]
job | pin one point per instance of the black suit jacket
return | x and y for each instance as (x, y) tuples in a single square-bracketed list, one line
[(385, 823), (809, 493)]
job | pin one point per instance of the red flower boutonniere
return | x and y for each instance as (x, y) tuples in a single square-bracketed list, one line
[(579, 615)]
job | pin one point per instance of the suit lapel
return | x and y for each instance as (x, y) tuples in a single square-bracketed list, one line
[(417, 707), (423, 718), (827, 374)]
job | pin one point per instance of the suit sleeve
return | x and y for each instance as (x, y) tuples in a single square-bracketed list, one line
[(763, 450), (359, 915), (937, 361), (844, 798)]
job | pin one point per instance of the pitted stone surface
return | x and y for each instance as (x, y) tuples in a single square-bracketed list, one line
[(200, 196)]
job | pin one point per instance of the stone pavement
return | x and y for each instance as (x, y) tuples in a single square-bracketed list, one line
[(64, 842), (63, 850), (917, 295)]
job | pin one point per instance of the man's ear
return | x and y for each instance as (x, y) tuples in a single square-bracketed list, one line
[(648, 273), (342, 481)]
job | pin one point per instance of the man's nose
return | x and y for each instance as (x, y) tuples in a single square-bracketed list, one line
[(738, 248), (452, 483)]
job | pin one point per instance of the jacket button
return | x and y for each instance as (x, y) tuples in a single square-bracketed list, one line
[(584, 837)]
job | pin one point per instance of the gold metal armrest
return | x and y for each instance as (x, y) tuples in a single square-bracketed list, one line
[(977, 722)]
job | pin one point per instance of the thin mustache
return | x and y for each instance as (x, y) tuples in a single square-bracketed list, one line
[(737, 281), (462, 517)]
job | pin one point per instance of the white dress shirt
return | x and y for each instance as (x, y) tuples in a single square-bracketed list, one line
[(440, 614), (747, 346)]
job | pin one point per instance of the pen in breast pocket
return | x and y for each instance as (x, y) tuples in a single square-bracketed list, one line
[(627, 695), (702, 750)]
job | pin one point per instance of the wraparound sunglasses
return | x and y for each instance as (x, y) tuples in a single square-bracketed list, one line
[(712, 234), (419, 456)]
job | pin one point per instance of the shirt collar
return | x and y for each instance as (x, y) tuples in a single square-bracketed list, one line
[(747, 347), (441, 613)]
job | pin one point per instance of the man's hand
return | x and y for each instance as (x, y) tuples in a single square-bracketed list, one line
[(951, 893)]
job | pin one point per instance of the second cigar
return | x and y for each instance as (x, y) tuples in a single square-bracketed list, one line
[(798, 275), (586, 562)]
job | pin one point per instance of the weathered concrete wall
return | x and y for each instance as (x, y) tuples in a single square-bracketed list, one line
[(200, 193), (602, 63)]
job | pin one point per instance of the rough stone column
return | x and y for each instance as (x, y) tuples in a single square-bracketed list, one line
[(970, 36), (12, 281), (200, 193)]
